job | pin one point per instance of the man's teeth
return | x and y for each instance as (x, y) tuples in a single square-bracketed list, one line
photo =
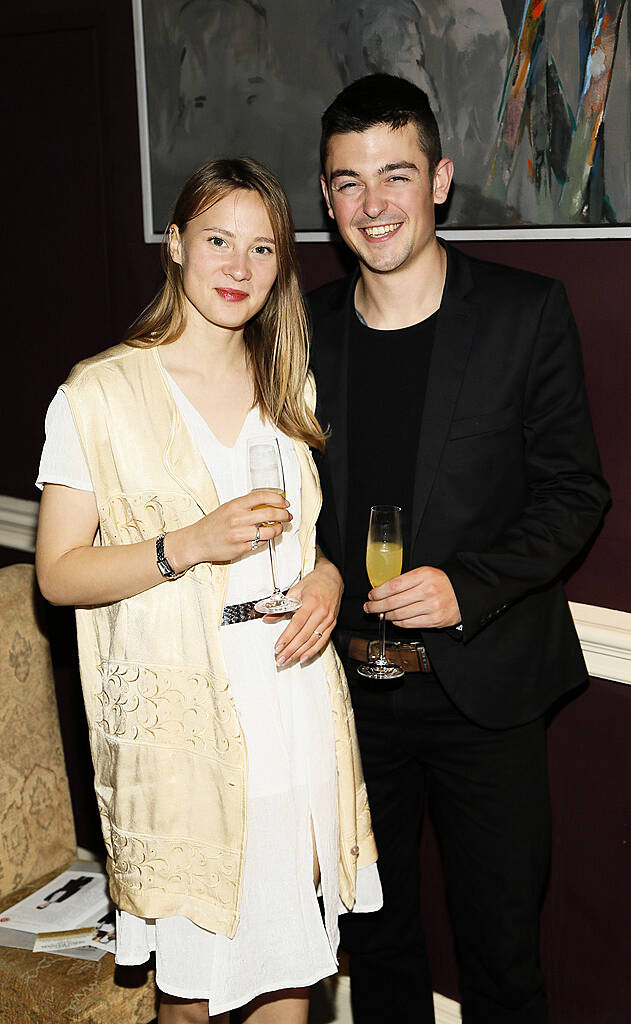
[(380, 229)]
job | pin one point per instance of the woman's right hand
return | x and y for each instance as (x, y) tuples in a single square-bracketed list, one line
[(229, 530), (71, 570)]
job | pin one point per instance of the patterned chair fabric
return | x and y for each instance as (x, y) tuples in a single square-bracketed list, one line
[(37, 836), (36, 823), (40, 988)]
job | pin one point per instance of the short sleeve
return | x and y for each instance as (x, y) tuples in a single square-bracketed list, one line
[(62, 461)]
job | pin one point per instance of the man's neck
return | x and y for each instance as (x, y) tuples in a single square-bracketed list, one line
[(399, 298)]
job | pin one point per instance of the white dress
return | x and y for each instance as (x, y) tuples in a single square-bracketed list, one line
[(283, 940)]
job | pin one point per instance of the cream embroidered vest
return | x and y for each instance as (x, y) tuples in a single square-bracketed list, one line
[(169, 756)]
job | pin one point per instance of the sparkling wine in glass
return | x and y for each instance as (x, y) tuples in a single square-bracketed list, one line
[(384, 558), (265, 469)]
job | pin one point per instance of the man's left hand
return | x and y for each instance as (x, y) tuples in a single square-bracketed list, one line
[(310, 628), (419, 599)]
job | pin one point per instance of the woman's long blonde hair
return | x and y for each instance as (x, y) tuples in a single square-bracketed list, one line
[(277, 338)]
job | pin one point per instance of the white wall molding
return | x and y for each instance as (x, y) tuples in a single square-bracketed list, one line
[(446, 1011), (605, 634), (18, 523)]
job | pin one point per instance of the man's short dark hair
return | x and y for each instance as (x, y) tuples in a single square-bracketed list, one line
[(382, 99)]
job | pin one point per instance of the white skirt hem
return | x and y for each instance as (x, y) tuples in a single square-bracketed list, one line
[(281, 985)]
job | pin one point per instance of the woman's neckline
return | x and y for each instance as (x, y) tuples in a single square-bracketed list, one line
[(176, 389)]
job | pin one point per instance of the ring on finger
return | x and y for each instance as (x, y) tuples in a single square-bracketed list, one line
[(255, 543), (317, 632)]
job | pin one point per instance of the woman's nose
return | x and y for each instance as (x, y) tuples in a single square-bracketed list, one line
[(238, 267)]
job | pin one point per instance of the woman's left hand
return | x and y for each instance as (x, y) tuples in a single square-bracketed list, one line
[(311, 626)]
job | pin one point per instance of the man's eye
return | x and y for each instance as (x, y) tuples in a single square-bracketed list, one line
[(217, 241), (350, 187), (398, 178)]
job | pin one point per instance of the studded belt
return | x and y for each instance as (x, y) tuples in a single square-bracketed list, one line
[(244, 612), (411, 657), (239, 613)]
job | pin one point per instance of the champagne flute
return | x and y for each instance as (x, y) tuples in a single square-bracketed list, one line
[(265, 469), (384, 558)]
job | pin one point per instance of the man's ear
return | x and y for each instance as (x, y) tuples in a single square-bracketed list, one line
[(442, 180), (327, 198), (175, 245)]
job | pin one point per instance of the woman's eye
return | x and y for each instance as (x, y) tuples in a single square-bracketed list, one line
[(262, 250), (217, 241)]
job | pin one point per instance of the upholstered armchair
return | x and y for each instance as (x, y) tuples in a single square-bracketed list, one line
[(37, 835)]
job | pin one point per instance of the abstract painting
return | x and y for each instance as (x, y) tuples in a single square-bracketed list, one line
[(533, 99)]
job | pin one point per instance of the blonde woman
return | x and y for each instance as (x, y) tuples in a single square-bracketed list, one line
[(226, 765)]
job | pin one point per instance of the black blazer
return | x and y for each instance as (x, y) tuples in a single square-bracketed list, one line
[(507, 482)]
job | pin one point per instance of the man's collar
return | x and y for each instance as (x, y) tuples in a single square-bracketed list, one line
[(458, 281)]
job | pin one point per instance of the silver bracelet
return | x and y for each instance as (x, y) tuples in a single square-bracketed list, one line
[(162, 561)]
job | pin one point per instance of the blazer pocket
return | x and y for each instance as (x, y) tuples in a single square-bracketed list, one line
[(485, 423)]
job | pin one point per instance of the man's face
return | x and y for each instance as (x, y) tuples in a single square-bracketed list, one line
[(378, 190)]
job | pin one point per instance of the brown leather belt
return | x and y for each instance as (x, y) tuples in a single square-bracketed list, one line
[(411, 657)]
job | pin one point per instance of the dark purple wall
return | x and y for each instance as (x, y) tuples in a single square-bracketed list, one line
[(77, 272)]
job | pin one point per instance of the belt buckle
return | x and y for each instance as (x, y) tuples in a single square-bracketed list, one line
[(417, 648), (373, 649)]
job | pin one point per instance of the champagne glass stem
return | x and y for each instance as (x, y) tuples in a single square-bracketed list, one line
[(272, 558), (382, 637)]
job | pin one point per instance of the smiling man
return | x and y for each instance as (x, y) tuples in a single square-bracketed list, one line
[(454, 389)]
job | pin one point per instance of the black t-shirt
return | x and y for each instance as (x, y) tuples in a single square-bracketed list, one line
[(387, 379)]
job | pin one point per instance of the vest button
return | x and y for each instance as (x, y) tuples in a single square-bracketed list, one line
[(355, 851)]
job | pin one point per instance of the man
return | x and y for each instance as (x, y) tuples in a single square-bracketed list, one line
[(454, 389)]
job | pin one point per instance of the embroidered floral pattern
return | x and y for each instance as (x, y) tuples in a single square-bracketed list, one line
[(169, 705), (176, 866), (125, 519)]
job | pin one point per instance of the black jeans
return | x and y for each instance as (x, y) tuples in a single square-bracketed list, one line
[(488, 797)]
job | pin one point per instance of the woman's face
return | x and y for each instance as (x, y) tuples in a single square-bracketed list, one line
[(228, 259)]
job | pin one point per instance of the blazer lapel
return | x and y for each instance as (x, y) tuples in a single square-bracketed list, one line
[(454, 335)]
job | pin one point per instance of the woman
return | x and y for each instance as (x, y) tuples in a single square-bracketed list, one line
[(226, 772)]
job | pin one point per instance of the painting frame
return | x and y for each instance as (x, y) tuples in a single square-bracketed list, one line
[(521, 232)]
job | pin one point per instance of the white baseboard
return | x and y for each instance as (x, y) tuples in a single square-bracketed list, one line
[(446, 1011), (605, 636), (605, 633), (18, 523)]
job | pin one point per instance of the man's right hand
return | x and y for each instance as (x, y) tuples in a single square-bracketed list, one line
[(419, 599)]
